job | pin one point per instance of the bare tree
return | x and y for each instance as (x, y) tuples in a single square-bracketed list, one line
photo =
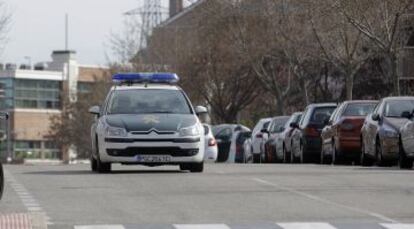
[(379, 22), (341, 43)]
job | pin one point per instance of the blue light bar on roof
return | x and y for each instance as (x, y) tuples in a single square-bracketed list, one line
[(169, 78)]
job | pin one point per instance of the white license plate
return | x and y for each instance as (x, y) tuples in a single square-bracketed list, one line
[(152, 158)]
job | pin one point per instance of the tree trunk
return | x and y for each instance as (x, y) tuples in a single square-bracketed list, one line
[(349, 85), (394, 75), (305, 95), (280, 110)]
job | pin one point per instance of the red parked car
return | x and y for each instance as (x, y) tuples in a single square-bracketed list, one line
[(341, 137)]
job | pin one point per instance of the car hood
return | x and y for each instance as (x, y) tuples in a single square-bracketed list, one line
[(151, 122), (395, 123)]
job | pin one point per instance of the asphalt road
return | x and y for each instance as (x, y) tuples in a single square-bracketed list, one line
[(226, 195)]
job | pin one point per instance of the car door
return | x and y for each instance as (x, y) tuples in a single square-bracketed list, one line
[(328, 131), (407, 136), (223, 139), (371, 130)]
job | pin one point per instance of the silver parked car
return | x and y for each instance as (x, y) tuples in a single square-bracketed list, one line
[(406, 156)]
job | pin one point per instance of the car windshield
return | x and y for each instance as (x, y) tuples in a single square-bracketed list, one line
[(279, 124), (359, 109), (320, 114), (148, 101), (395, 108)]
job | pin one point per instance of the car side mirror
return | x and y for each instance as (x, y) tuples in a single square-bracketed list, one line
[(201, 110), (96, 110), (326, 122), (407, 114), (375, 117), (294, 125), (265, 131), (4, 115)]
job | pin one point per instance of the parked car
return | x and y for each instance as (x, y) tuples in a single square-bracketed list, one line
[(406, 157), (276, 128), (284, 139), (256, 141), (380, 133), (306, 138), (3, 116), (240, 154), (211, 151), (224, 135), (341, 138)]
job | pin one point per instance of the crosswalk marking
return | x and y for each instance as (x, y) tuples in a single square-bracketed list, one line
[(397, 226), (201, 226), (286, 225), (100, 227), (306, 225)]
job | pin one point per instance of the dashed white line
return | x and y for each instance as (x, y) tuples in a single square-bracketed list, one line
[(100, 227), (326, 201), (306, 225), (201, 226), (31, 204), (398, 226)]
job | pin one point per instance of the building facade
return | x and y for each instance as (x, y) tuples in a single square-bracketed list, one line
[(33, 95)]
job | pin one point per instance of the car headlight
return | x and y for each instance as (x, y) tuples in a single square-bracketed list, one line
[(389, 133), (115, 132), (190, 131)]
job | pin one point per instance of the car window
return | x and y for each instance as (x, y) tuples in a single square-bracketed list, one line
[(304, 116), (206, 130), (224, 134), (320, 114), (395, 108), (258, 126), (243, 136), (279, 124), (148, 101), (359, 109), (335, 114)]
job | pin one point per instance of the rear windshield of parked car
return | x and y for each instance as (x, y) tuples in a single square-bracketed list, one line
[(320, 114), (359, 109), (395, 108)]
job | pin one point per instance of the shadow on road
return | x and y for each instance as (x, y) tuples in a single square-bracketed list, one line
[(86, 172)]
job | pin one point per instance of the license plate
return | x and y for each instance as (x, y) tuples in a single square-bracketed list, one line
[(152, 158)]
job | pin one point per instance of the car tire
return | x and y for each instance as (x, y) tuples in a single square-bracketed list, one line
[(403, 161), (192, 167), (325, 160), (256, 158), (94, 164), (302, 156), (1, 181), (336, 159), (285, 156), (364, 160), (378, 154), (101, 167)]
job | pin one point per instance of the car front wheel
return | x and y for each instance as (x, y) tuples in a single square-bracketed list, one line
[(100, 167), (193, 167), (404, 162), (1, 181)]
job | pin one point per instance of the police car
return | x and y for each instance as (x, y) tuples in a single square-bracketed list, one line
[(146, 119)]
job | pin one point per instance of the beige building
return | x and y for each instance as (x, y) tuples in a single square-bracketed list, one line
[(33, 95)]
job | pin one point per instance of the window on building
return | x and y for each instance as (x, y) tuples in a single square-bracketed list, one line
[(37, 94), (84, 87)]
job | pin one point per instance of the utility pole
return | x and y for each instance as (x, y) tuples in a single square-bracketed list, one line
[(66, 31)]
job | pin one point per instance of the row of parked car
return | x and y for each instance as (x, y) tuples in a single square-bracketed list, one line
[(362, 132)]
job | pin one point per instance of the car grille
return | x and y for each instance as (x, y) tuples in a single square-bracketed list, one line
[(133, 151)]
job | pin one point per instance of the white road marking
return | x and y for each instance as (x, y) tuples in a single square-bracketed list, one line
[(397, 226), (326, 201), (306, 225), (100, 227), (201, 226), (27, 199)]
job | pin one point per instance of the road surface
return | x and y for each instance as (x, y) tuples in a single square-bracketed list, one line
[(224, 196)]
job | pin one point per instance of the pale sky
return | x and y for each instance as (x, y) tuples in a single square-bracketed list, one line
[(38, 28)]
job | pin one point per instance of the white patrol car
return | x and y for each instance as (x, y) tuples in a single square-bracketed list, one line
[(147, 120)]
